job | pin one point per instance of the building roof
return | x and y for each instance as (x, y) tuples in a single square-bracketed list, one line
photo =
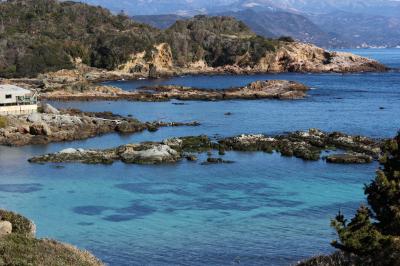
[(8, 88)]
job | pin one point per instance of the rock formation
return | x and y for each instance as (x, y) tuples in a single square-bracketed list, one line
[(301, 57), (67, 125), (272, 89), (307, 145)]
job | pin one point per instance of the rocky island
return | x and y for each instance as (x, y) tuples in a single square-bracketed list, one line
[(307, 145), (272, 89)]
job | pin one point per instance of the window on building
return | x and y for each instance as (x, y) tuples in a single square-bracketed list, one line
[(8, 96)]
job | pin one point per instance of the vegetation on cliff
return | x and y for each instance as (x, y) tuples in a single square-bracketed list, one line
[(20, 247), (42, 35), (46, 35), (218, 41)]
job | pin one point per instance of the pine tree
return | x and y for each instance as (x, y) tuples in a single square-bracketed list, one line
[(374, 234)]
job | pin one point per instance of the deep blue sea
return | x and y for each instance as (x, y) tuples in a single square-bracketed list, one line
[(262, 210)]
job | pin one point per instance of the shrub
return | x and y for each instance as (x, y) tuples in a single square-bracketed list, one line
[(286, 39), (374, 233), (3, 121)]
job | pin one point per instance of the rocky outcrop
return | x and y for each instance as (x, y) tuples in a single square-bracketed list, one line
[(19, 224), (349, 158), (146, 153), (307, 145), (68, 125), (272, 89), (5, 228), (19, 246), (81, 81), (301, 57)]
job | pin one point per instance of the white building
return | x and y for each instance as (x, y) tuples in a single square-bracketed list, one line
[(15, 100)]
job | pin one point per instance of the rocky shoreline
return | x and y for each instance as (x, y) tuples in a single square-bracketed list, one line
[(272, 89), (66, 125), (81, 83), (306, 145)]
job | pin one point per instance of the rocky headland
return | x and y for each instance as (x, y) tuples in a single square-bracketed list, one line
[(272, 89), (19, 246), (199, 45), (52, 125), (306, 145)]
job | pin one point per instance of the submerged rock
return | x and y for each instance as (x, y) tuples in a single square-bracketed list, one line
[(349, 158), (216, 161)]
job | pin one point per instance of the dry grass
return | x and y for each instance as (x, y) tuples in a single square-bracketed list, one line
[(17, 249)]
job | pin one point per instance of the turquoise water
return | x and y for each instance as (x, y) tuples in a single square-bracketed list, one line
[(262, 210)]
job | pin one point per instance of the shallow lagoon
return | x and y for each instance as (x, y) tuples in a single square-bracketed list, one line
[(264, 209)]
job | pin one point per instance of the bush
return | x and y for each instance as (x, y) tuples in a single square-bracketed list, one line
[(3, 121), (286, 39), (373, 234)]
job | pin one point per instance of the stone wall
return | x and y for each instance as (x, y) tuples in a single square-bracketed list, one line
[(18, 109)]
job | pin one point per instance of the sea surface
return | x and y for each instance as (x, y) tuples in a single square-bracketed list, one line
[(262, 210)]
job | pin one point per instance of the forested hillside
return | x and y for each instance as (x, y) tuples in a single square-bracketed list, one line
[(42, 35), (45, 35)]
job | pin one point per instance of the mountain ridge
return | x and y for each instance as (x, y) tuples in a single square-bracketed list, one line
[(377, 15)]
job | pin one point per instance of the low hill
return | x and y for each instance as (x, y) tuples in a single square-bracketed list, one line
[(45, 35), (42, 35)]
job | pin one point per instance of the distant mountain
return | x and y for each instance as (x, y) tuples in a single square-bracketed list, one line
[(159, 21), (156, 7), (334, 23), (372, 7), (360, 29), (276, 23), (269, 23)]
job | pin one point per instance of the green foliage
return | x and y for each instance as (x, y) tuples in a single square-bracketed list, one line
[(217, 40), (374, 235), (286, 39), (44, 35), (3, 121)]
